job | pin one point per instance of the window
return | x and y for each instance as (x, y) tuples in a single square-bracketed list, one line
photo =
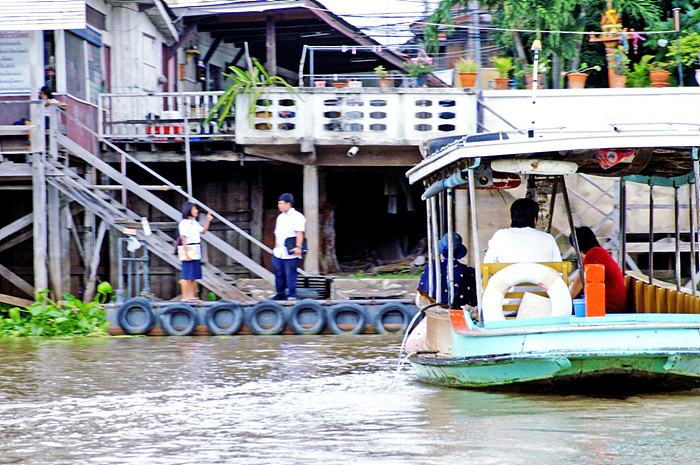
[(150, 74)]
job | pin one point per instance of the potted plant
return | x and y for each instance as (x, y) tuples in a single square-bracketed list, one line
[(383, 75), (467, 68), (420, 67), (577, 78), (503, 66), (253, 82), (619, 67), (658, 74), (638, 76)]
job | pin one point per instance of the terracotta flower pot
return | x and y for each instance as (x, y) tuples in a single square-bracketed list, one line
[(540, 81), (577, 80), (659, 78), (386, 82), (502, 83), (617, 82), (467, 79)]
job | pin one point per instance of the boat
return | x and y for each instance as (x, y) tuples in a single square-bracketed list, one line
[(653, 348)]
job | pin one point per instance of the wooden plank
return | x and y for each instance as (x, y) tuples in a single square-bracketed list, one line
[(17, 281), (15, 226), (41, 275), (17, 240), (94, 262), (12, 300)]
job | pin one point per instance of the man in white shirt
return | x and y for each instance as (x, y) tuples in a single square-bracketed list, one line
[(290, 223), (522, 242)]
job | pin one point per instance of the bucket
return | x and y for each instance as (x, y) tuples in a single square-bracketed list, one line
[(580, 308)]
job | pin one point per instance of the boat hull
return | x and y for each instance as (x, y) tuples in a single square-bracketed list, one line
[(613, 354), (565, 373)]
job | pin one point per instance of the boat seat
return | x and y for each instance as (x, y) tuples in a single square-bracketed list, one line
[(512, 300)]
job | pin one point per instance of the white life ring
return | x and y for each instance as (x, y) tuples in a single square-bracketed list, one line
[(519, 273)]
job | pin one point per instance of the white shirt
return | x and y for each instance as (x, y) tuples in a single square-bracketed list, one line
[(47, 105), (517, 245), (288, 225), (190, 228)]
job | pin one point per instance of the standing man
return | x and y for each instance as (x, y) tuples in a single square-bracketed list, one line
[(290, 224)]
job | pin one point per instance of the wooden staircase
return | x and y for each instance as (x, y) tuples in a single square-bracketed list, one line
[(118, 216)]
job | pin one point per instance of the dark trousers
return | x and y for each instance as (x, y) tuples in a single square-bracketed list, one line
[(285, 275)]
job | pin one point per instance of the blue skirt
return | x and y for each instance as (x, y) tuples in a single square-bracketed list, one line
[(192, 270)]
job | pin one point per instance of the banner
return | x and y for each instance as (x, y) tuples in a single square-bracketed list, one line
[(15, 71)]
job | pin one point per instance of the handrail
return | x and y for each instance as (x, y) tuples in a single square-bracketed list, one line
[(174, 187)]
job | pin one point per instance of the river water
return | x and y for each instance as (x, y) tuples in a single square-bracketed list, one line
[(303, 400)]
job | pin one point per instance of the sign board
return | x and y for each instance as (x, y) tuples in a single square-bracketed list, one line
[(15, 70), (42, 15)]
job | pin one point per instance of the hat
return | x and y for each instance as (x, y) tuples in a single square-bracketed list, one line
[(460, 250), (289, 198)]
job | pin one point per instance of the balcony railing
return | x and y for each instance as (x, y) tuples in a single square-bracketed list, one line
[(395, 116), (321, 116)]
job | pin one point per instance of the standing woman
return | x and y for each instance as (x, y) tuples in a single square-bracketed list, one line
[(190, 231)]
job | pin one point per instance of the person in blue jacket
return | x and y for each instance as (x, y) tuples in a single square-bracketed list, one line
[(464, 276)]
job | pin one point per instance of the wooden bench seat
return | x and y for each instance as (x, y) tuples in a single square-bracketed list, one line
[(658, 296)]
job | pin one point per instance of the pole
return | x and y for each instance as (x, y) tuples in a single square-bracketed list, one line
[(475, 238), (536, 47), (677, 28), (450, 251)]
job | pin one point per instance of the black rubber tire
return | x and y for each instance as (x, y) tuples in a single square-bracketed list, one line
[(234, 309), (136, 304), (342, 308), (255, 326), (166, 319), (307, 305), (391, 307)]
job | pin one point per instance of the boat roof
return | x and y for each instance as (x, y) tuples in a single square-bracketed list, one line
[(663, 153)]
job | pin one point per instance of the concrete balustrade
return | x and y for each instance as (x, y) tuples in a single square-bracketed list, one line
[(396, 116)]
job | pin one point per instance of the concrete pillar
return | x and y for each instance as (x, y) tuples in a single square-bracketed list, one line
[(311, 211)]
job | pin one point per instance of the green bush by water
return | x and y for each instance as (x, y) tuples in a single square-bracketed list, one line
[(46, 318)]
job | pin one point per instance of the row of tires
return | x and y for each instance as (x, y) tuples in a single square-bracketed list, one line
[(137, 316)]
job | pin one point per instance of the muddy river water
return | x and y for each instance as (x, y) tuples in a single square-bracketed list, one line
[(303, 400)]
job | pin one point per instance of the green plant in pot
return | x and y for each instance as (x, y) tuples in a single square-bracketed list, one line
[(254, 83), (638, 76), (383, 75), (577, 78), (467, 68), (619, 65), (503, 65), (420, 67)]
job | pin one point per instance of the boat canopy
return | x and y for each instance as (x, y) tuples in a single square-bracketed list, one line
[(653, 156)]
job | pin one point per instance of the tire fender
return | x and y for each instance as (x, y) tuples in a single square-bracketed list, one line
[(280, 319), (230, 307), (336, 310), (315, 307), (387, 308), (166, 319), (136, 304)]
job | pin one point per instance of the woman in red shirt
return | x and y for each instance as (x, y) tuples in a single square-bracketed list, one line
[(593, 253)]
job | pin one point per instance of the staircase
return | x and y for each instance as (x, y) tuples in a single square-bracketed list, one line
[(118, 216)]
